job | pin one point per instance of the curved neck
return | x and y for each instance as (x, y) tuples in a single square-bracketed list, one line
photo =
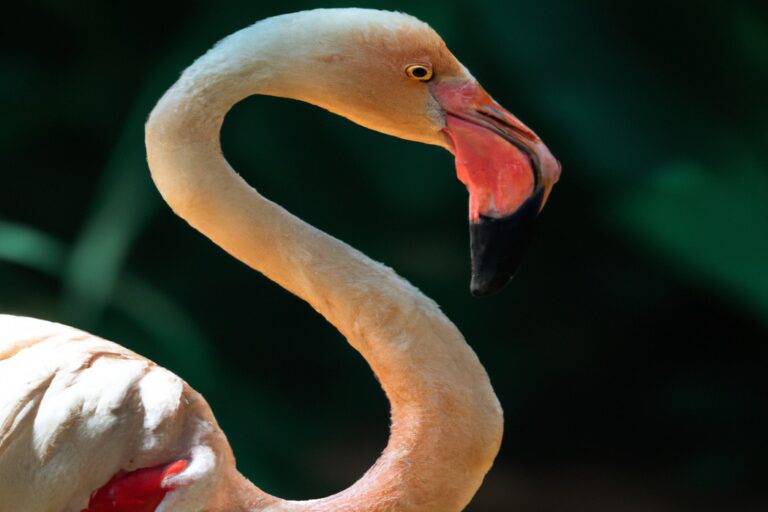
[(446, 420)]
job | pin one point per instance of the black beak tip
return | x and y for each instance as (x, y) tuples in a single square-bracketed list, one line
[(498, 246), (479, 287)]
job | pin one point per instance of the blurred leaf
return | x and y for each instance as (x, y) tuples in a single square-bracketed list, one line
[(122, 205), (125, 198), (158, 315), (25, 246), (713, 224)]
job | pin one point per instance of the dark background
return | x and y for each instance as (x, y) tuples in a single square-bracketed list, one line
[(630, 351)]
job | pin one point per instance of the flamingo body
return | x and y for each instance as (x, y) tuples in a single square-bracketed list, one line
[(141, 490), (76, 409), (86, 425)]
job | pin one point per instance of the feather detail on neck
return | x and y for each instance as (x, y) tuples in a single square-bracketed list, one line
[(446, 420)]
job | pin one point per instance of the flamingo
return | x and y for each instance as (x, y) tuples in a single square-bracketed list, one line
[(87, 425)]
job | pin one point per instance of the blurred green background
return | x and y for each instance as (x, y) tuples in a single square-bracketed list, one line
[(630, 351)]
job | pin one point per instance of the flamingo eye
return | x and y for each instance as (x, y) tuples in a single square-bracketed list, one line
[(419, 72)]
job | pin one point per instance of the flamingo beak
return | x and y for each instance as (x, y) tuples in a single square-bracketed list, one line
[(509, 173)]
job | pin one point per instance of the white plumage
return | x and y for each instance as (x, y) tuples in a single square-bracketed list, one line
[(76, 409)]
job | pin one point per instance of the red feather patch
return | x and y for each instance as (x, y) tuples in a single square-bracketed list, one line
[(137, 491)]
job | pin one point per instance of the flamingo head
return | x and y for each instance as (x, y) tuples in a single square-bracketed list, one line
[(392, 73)]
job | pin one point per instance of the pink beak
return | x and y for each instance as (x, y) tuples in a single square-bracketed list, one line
[(509, 173)]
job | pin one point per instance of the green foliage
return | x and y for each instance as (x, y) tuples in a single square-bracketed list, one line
[(708, 223)]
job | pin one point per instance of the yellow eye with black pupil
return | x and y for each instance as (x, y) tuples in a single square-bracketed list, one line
[(419, 72)]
